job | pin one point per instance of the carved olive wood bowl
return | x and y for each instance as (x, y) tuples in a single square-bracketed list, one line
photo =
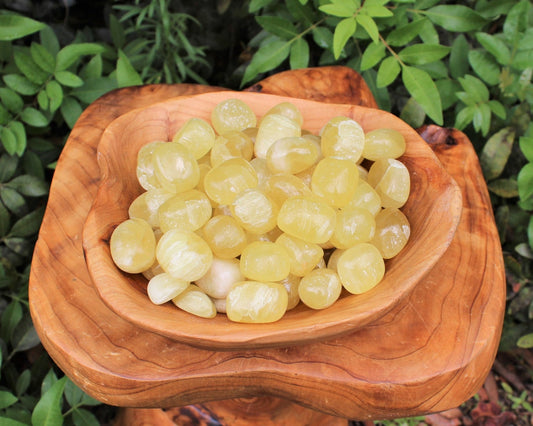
[(433, 210)]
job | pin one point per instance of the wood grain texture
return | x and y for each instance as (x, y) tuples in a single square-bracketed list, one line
[(430, 353), (433, 211), (264, 411), (332, 84)]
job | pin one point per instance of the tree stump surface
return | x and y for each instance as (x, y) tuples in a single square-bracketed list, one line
[(430, 353)]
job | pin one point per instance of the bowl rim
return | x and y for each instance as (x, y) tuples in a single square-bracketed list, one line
[(300, 325)]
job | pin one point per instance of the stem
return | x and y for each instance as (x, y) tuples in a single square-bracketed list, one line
[(392, 52)]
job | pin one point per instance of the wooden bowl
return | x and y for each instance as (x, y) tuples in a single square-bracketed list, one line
[(433, 210)]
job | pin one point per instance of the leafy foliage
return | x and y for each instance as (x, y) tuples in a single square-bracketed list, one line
[(155, 40), (467, 66)]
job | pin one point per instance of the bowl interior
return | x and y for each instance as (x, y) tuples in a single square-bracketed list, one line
[(433, 210)]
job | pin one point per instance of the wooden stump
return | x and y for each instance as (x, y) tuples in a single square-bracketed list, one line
[(428, 354)]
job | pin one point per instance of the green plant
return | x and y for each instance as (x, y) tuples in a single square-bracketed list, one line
[(467, 66), (410, 421), (43, 90), (155, 41), (518, 402)]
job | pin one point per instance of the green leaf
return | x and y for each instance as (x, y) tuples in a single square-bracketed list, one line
[(33, 117), (388, 71), (525, 183), (47, 412), (525, 341), (48, 381), (49, 40), (423, 89), (11, 317), (11, 100), (93, 69), (126, 74), (24, 336), (13, 27), (70, 110), (496, 152), (278, 26), (340, 8), (369, 25), (495, 47), (418, 54), (94, 88), (21, 84), (268, 57), (455, 18), (299, 56), (13, 201), (4, 115), (343, 31), (5, 421), (485, 66), (20, 249), (376, 9), (475, 88), (255, 5), (374, 53), (413, 114), (404, 34), (23, 382), (67, 78), (42, 57), (458, 63), (55, 94), (429, 34), (382, 95), (516, 21), (7, 399), (526, 146), (8, 166), (301, 12), (32, 165), (526, 40), (117, 32), (71, 53), (42, 100), (75, 396), (28, 67), (437, 70), (29, 185), (523, 59), (9, 140), (82, 417), (481, 120), (19, 131), (497, 109), (323, 37), (505, 188), (5, 220)]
